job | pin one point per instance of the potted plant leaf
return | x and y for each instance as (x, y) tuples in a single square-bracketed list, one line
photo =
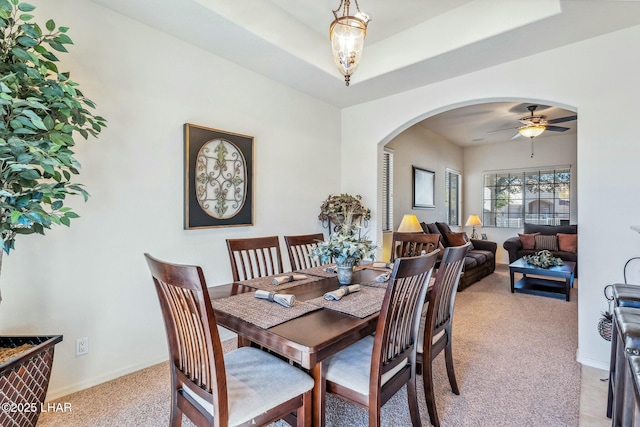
[(42, 109)]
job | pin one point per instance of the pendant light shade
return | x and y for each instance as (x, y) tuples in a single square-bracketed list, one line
[(347, 35)]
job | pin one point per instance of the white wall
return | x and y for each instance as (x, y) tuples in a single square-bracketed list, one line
[(91, 279), (602, 88), (423, 148), (553, 150)]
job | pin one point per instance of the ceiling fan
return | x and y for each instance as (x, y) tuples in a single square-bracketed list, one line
[(533, 125)]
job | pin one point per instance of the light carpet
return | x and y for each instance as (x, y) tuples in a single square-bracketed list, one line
[(514, 356)]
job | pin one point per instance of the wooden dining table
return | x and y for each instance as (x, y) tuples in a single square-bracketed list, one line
[(309, 339)]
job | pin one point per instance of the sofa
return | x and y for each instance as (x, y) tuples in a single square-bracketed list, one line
[(480, 260), (567, 242)]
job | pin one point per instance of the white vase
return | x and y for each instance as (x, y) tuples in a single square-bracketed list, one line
[(345, 271)]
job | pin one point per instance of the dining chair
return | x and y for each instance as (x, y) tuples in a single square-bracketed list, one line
[(245, 387), (435, 327), (412, 244), (299, 249), (372, 370), (254, 257)]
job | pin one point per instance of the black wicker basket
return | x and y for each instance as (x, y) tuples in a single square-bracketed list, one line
[(24, 380)]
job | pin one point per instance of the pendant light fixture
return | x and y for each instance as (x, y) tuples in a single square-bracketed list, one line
[(347, 35), (533, 125)]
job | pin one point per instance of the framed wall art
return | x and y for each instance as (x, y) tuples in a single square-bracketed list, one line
[(218, 178), (423, 188)]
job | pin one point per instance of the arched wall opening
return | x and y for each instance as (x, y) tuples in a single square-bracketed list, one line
[(414, 144)]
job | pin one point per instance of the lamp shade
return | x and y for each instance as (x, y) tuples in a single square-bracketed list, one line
[(410, 224), (474, 220)]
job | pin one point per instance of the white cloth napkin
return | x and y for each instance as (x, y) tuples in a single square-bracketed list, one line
[(282, 299), (288, 278), (340, 292), (384, 277)]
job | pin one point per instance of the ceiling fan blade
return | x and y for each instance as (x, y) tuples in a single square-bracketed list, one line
[(502, 130), (563, 119), (557, 128), (517, 135)]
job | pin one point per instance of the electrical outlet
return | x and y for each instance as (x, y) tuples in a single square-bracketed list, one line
[(82, 346)]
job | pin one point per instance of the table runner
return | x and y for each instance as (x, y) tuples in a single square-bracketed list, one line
[(320, 270), (265, 284), (374, 284), (360, 304), (260, 312)]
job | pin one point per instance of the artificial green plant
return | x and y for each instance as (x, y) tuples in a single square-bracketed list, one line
[(41, 111)]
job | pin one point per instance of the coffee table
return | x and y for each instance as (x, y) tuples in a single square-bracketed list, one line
[(545, 282)]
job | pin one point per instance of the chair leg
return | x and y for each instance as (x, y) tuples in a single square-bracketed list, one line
[(448, 357), (374, 417), (303, 414), (427, 380), (412, 398), (175, 419)]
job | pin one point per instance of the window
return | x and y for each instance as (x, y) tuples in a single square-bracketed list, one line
[(387, 190), (452, 193), (534, 196)]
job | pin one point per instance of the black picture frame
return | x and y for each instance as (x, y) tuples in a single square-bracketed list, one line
[(218, 178), (423, 188)]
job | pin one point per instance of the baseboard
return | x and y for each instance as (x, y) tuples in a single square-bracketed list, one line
[(598, 364), (73, 388), (54, 394)]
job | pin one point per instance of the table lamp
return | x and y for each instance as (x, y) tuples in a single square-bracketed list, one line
[(410, 224), (473, 221)]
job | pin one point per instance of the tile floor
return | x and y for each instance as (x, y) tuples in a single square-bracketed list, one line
[(593, 398)]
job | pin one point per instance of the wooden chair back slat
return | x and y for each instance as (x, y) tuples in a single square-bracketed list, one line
[(412, 244), (299, 250), (254, 257)]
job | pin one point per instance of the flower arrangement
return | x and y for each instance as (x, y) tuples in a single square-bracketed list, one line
[(337, 207), (542, 259), (344, 246)]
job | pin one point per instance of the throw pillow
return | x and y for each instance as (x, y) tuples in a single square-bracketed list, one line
[(528, 240), (568, 242), (456, 239), (549, 243)]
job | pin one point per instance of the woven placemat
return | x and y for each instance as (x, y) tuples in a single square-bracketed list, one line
[(365, 302), (265, 284), (260, 312)]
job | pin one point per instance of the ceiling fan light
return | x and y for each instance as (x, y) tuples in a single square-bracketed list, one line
[(532, 130), (347, 35)]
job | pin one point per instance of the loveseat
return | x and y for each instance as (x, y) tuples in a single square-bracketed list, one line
[(566, 245), (480, 260)]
